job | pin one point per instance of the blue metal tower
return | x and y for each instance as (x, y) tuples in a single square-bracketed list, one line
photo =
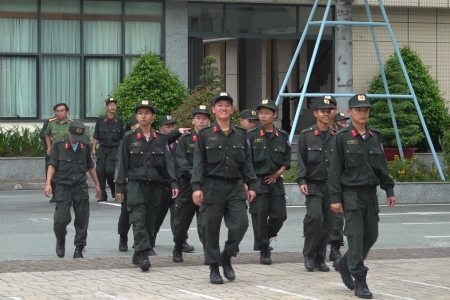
[(387, 95)]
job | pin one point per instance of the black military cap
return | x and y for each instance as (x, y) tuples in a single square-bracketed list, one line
[(340, 116), (267, 103), (324, 103), (359, 100), (145, 103), (222, 96), (77, 129), (249, 114), (166, 120), (202, 109), (332, 99), (111, 99), (133, 121)]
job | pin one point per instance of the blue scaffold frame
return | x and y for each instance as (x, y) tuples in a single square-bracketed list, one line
[(371, 24)]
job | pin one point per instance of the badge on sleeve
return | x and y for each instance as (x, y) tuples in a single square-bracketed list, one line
[(167, 147), (248, 142), (288, 143)]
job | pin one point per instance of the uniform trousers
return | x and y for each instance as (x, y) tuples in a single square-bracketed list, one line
[(124, 220), (337, 235), (106, 167)]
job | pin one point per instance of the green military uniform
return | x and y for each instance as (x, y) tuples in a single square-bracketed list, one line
[(314, 155), (357, 167), (57, 130), (42, 138), (108, 133), (71, 188), (143, 162), (270, 151), (222, 164)]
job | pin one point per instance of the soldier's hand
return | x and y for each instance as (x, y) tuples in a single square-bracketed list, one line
[(251, 196), (390, 201), (304, 189), (49, 150), (272, 178), (93, 153), (337, 207), (197, 197), (175, 193), (184, 130), (47, 190), (98, 192), (119, 196)]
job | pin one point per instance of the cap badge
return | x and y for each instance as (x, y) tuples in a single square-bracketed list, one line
[(326, 101), (223, 94), (342, 114), (202, 106), (327, 97), (361, 97), (169, 117), (79, 130), (265, 101), (253, 113), (111, 98), (145, 102)]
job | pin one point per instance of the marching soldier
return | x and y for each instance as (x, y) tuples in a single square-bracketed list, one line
[(358, 165), (185, 209), (70, 159), (143, 161), (222, 164), (109, 131), (248, 118), (57, 129), (271, 154), (315, 147)]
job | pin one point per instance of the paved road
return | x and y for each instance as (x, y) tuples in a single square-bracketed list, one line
[(26, 229)]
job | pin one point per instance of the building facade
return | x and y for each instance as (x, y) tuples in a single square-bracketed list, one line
[(77, 51)]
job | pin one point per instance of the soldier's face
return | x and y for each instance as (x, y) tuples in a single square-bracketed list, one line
[(223, 110), (247, 124), (61, 112), (145, 116), (111, 107), (200, 120), (166, 128), (323, 115), (266, 115), (359, 114), (342, 123)]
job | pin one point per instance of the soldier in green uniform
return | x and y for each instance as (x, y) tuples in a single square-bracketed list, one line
[(315, 146), (271, 154), (108, 133), (70, 159), (222, 164), (337, 235), (42, 138), (185, 209), (143, 161), (57, 129), (248, 118), (358, 166)]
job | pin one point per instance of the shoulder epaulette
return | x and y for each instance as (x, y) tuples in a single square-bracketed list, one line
[(254, 129), (159, 132), (374, 129), (52, 119), (70, 120), (342, 130), (283, 132), (101, 117), (129, 132), (186, 134), (240, 127), (62, 140), (205, 127), (307, 129)]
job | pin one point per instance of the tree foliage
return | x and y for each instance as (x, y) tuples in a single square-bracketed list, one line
[(428, 94), (149, 79)]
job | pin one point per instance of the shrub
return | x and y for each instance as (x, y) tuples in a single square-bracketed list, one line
[(428, 94), (149, 79), (414, 170), (21, 142)]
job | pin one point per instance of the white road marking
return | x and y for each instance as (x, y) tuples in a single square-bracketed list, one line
[(109, 296), (421, 213), (376, 292), (15, 298), (14, 196), (38, 220), (285, 292), (113, 204), (436, 236), (199, 295), (431, 223), (384, 205), (171, 229), (427, 284)]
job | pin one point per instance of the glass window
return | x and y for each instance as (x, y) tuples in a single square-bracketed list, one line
[(102, 27), (60, 26), (18, 26), (129, 63), (251, 19), (304, 13), (143, 27), (18, 87), (60, 83), (205, 17), (102, 76)]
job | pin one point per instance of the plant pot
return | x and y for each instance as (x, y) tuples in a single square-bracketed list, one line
[(390, 153)]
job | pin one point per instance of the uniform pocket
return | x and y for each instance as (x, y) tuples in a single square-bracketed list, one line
[(354, 157), (375, 157), (136, 157), (214, 153), (314, 154), (348, 229), (259, 152), (238, 153), (157, 157), (279, 156), (116, 134), (103, 134)]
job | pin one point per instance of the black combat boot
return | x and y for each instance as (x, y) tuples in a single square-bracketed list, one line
[(187, 248), (335, 254), (214, 276), (78, 251), (341, 266), (177, 253), (309, 263), (319, 263), (361, 288), (265, 255), (144, 262), (227, 268), (135, 259), (123, 243), (151, 252), (60, 247)]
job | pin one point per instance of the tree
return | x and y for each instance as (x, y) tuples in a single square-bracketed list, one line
[(149, 79), (211, 79)]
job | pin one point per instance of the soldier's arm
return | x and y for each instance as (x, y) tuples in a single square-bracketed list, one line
[(301, 160), (122, 129), (95, 137), (169, 167), (43, 130), (185, 169), (198, 165), (337, 165), (173, 136), (122, 167), (287, 155), (386, 182), (247, 167), (48, 138)]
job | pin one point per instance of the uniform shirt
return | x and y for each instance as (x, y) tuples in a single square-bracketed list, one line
[(70, 166), (220, 155), (358, 162), (109, 132), (144, 160), (270, 151), (57, 130), (43, 130), (314, 154), (185, 154)]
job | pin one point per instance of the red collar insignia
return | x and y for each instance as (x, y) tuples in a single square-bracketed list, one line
[(215, 129), (154, 135), (354, 133), (276, 133), (332, 132), (81, 145), (233, 128), (106, 120), (316, 132), (261, 132), (66, 146), (139, 135), (370, 132), (115, 120), (194, 138)]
